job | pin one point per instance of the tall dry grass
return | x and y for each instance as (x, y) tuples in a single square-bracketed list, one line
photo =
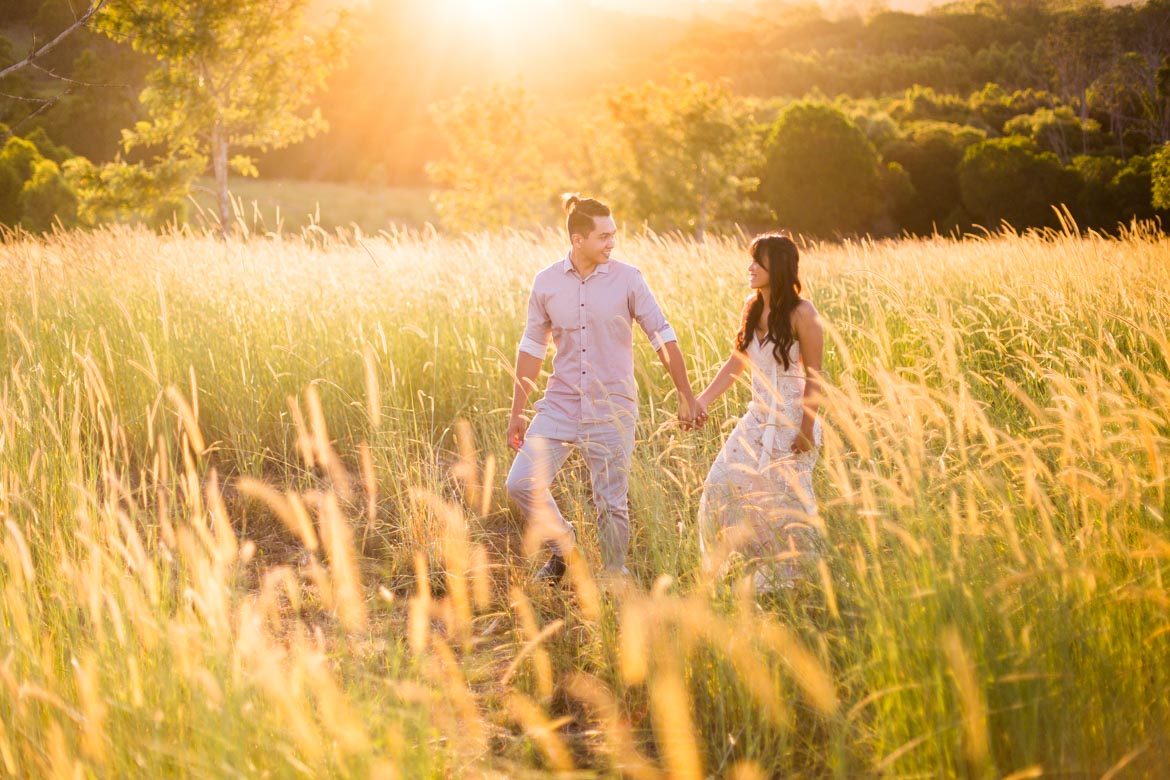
[(246, 532)]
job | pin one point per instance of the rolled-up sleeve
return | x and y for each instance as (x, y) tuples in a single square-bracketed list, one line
[(648, 313), (538, 327)]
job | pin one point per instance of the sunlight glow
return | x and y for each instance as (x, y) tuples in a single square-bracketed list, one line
[(496, 13)]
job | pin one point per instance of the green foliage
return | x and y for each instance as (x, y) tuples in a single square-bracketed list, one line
[(47, 147), (1077, 49), (1117, 95), (1010, 180), (821, 176), (1096, 205), (120, 191), (930, 153), (232, 75), (923, 103), (1132, 189), (21, 154), (1057, 130), (1160, 170), (493, 173), (46, 199), (10, 186), (897, 192), (993, 106), (690, 153), (17, 158), (89, 120)]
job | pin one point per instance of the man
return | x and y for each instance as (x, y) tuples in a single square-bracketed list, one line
[(587, 303)]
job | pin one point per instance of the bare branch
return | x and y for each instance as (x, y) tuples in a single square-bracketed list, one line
[(94, 7), (45, 106), (74, 82), (24, 98)]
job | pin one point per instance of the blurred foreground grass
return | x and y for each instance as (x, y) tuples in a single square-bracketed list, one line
[(246, 533)]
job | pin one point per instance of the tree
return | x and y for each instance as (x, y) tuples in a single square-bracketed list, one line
[(1009, 180), (18, 156), (995, 106), (38, 52), (122, 192), (231, 75), (691, 154), (1160, 171), (47, 199), (1132, 189), (493, 172), (1117, 93), (1095, 206), (821, 176), (1078, 51), (1056, 130), (930, 153)]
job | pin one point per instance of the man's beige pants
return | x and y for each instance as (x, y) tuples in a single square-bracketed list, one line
[(607, 450)]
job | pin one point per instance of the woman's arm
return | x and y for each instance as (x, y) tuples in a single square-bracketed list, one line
[(730, 371), (811, 335), (723, 380)]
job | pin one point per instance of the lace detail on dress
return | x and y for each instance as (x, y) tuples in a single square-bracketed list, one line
[(758, 509)]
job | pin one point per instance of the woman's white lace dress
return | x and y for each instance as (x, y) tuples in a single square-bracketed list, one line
[(758, 509)]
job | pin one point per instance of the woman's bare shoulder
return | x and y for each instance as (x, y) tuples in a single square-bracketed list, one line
[(805, 317), (805, 310)]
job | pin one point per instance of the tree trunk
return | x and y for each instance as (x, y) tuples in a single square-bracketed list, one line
[(219, 163), (1084, 118)]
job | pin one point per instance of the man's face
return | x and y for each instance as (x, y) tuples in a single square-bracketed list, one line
[(596, 247)]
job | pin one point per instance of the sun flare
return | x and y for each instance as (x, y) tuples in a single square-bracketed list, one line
[(503, 10)]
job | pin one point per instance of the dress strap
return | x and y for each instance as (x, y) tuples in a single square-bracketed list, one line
[(770, 426)]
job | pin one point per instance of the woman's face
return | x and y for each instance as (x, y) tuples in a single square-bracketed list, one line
[(758, 273)]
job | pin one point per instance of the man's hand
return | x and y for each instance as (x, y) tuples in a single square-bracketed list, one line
[(690, 414), (517, 429)]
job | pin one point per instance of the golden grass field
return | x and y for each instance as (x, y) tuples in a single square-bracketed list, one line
[(254, 521)]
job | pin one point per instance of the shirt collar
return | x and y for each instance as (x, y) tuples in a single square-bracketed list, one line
[(567, 265)]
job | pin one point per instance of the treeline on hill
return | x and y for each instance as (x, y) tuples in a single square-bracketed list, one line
[(974, 113)]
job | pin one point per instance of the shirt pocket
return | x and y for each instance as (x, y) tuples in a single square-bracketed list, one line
[(564, 315)]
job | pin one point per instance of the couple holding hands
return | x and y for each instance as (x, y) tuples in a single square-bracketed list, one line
[(757, 506)]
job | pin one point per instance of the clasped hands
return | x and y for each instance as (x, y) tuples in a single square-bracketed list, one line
[(692, 413)]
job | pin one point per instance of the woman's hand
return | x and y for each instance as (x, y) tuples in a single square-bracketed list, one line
[(701, 403), (803, 443)]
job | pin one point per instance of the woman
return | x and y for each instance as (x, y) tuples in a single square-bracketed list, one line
[(757, 505)]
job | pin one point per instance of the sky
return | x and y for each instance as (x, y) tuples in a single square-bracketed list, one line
[(690, 8)]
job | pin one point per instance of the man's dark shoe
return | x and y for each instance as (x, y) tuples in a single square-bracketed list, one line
[(552, 571)]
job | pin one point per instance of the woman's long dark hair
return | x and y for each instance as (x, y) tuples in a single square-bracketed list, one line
[(780, 258)]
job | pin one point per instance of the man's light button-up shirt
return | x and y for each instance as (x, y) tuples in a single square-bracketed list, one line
[(590, 321)]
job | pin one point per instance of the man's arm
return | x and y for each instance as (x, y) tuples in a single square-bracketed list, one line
[(527, 370), (650, 318), (529, 359), (688, 409)]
